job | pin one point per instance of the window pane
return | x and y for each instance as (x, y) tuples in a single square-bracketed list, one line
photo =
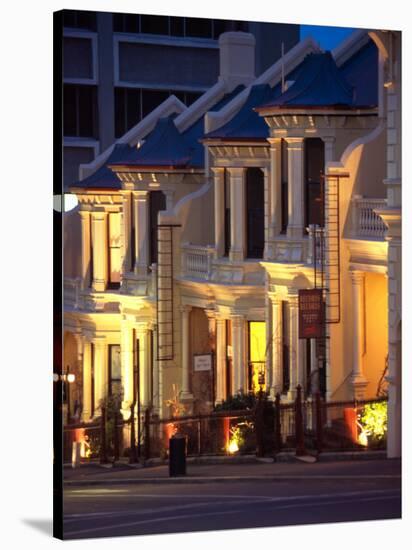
[(118, 19), (87, 110), (115, 372), (284, 186), (119, 112), (155, 24), (191, 97), (69, 18), (257, 352), (255, 225), (152, 99), (86, 20), (314, 166), (114, 247), (157, 203), (133, 107), (196, 27), (226, 183), (177, 26), (131, 23), (69, 110)]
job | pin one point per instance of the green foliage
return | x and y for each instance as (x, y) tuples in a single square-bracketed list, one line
[(240, 402), (374, 420)]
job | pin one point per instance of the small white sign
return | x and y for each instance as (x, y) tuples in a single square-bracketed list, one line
[(202, 362)]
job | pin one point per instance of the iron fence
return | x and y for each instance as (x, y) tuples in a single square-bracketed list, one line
[(310, 425)]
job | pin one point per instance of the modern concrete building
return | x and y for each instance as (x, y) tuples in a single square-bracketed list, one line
[(119, 67), (198, 229)]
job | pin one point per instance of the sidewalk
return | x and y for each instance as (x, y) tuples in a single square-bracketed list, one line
[(229, 470)]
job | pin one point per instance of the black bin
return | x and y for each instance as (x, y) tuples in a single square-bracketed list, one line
[(177, 455)]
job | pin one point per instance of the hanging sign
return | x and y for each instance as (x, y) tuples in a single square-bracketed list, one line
[(202, 362), (311, 313)]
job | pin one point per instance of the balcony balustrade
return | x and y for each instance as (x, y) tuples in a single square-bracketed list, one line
[(197, 261), (366, 223)]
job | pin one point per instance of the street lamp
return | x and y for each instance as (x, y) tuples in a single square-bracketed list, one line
[(69, 378)]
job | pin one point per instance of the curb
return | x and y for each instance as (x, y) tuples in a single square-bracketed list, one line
[(283, 457), (223, 479)]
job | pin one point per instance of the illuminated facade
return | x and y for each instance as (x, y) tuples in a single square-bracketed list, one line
[(234, 183)]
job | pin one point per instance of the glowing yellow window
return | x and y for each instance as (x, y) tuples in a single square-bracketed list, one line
[(257, 352)]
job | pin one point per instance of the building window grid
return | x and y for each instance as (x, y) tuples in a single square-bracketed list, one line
[(80, 110), (127, 116), (124, 23)]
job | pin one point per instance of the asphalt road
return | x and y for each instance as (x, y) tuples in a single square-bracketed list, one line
[(115, 510)]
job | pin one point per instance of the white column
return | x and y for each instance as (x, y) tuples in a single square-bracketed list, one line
[(359, 382), (141, 223), (126, 356), (100, 245), (219, 194), (185, 392), (239, 359), (329, 149), (100, 373), (127, 261), (220, 359), (144, 365), (87, 382), (295, 348), (275, 200), (295, 187), (277, 336), (237, 214), (85, 223)]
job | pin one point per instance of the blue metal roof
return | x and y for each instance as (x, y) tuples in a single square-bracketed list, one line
[(246, 124), (104, 178), (319, 83), (165, 146), (361, 71), (195, 132)]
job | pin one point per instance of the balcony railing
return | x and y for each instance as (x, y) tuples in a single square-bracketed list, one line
[(197, 261), (366, 222)]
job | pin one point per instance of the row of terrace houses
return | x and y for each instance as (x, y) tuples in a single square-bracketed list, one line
[(197, 229)]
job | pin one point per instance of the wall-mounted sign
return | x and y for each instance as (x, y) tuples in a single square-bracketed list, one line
[(202, 362), (311, 313)]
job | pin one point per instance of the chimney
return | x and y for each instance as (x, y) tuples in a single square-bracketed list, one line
[(237, 58)]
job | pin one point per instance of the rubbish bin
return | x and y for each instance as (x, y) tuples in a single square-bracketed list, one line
[(177, 455)]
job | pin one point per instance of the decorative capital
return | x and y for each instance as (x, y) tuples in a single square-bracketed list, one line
[(357, 277)]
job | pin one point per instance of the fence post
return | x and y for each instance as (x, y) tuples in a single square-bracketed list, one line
[(132, 457), (319, 425), (147, 434), (103, 450), (199, 435), (259, 425), (116, 437), (278, 432), (300, 443)]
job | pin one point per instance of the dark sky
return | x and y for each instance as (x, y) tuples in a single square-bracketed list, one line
[(327, 37)]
